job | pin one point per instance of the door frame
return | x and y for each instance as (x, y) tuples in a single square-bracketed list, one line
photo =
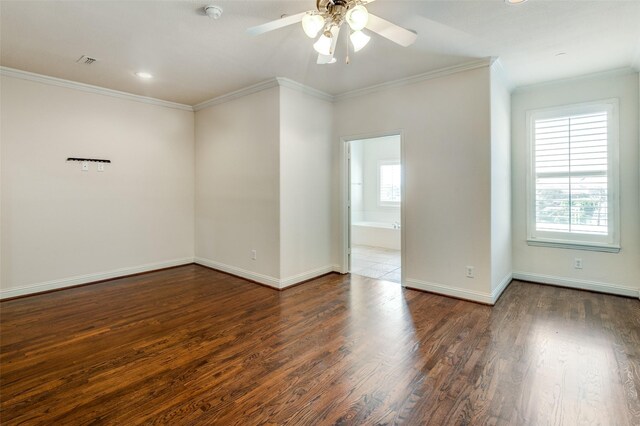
[(345, 198)]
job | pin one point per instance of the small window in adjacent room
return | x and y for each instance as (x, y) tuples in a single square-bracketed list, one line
[(389, 183), (573, 176)]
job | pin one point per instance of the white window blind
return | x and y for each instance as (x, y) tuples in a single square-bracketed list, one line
[(572, 178), (571, 173), (390, 183)]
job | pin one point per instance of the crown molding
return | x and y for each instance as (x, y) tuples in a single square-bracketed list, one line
[(258, 87), (54, 81), (442, 72), (291, 84), (254, 88), (608, 73), (264, 85), (286, 82)]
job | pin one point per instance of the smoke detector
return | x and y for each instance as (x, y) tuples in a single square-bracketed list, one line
[(212, 11)]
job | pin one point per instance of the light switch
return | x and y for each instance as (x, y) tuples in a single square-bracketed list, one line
[(101, 167)]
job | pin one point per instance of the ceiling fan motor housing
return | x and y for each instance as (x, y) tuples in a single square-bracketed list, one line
[(337, 9)]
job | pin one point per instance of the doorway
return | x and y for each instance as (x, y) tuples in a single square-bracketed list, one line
[(374, 207)]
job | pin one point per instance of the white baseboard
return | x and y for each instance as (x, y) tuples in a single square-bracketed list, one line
[(265, 279), (340, 269), (293, 280), (475, 296), (243, 273), (497, 292), (600, 287), (88, 278)]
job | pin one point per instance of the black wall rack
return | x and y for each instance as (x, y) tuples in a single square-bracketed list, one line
[(95, 160)]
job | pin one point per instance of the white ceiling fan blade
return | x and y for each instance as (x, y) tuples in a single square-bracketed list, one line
[(328, 59), (441, 38), (278, 23), (324, 59), (391, 31)]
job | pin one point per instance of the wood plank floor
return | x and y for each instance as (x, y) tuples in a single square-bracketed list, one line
[(193, 346)]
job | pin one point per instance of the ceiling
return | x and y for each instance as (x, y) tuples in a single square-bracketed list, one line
[(194, 58)]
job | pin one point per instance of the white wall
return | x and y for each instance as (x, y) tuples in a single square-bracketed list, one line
[(445, 124), (263, 183), (61, 226), (375, 150), (611, 272), (501, 263), (237, 186), (268, 164), (357, 181), (305, 186)]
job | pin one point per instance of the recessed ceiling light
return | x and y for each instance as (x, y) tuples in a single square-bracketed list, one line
[(515, 1), (144, 75)]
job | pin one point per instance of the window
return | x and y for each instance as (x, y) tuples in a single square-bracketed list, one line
[(389, 183), (573, 200)]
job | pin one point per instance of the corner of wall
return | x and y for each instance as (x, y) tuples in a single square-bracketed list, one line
[(304, 183), (605, 272), (501, 238)]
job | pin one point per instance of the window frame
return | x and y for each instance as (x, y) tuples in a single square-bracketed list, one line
[(575, 240), (388, 163)]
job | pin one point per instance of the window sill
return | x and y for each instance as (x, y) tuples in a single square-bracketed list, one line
[(575, 245)]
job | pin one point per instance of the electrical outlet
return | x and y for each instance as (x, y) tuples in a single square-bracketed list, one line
[(254, 254), (577, 263), (85, 166), (101, 167), (469, 271)]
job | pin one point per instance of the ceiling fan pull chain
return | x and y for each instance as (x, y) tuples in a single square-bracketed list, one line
[(347, 60)]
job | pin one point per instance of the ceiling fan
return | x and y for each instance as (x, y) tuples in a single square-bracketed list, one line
[(327, 20)]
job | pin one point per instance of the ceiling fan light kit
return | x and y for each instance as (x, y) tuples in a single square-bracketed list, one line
[(327, 20), (323, 45), (359, 40), (312, 23), (357, 17)]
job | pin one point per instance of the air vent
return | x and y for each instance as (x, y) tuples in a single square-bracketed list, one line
[(86, 60)]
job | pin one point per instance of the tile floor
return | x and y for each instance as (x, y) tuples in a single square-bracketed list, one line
[(376, 262)]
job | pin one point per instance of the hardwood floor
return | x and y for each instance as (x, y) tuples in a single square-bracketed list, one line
[(193, 346)]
